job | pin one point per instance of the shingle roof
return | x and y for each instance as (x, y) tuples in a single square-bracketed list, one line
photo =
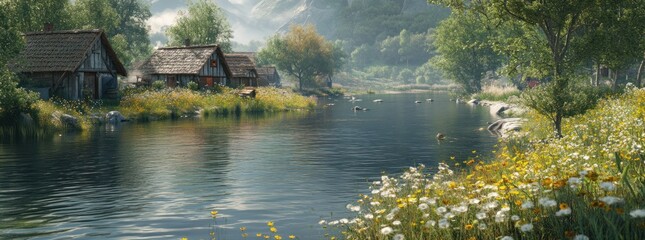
[(61, 51), (181, 60), (266, 70), (240, 64)]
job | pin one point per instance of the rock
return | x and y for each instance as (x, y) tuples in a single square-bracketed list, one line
[(498, 108), (358, 108), (97, 119), (429, 100), (473, 101), (417, 101), (70, 121), (440, 136), (507, 126), (378, 100), (114, 117)]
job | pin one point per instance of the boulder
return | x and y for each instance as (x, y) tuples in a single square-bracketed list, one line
[(114, 117), (70, 121), (497, 108), (507, 126), (474, 101)]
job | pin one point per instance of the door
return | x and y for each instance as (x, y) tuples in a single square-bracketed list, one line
[(172, 81), (91, 86)]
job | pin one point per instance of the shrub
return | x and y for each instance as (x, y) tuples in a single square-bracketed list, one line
[(192, 86), (158, 85), (13, 99)]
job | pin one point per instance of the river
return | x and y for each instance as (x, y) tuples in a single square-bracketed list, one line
[(160, 180)]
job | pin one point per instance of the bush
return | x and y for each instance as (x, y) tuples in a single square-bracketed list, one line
[(192, 86), (13, 99), (158, 85)]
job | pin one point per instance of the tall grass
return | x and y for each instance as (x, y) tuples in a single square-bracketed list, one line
[(173, 103), (496, 93), (589, 184)]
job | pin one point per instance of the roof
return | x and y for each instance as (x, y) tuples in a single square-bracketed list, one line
[(240, 64), (181, 60), (266, 70), (62, 51)]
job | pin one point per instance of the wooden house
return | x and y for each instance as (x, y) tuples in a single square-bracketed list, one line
[(243, 70), (268, 76), (177, 66), (74, 64)]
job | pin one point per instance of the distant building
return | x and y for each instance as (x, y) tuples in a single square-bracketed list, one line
[(268, 76), (243, 70), (73, 64), (177, 66)]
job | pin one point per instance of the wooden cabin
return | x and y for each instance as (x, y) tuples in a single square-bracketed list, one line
[(75, 64), (268, 76), (243, 70), (177, 66)]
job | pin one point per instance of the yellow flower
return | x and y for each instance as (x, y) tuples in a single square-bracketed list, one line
[(214, 213), (563, 206), (258, 235), (468, 226), (184, 238), (243, 229), (292, 237), (270, 223), (273, 229), (244, 235), (277, 237)]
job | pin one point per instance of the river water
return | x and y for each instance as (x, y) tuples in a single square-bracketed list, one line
[(161, 180)]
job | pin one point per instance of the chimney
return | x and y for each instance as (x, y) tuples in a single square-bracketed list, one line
[(187, 42), (48, 27)]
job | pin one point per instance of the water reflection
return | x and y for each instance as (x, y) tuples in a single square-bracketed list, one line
[(161, 179)]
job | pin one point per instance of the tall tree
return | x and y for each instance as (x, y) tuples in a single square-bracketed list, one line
[(32, 15), (204, 23), (124, 22), (464, 51), (304, 54)]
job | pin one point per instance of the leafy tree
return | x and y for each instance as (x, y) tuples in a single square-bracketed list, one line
[(464, 51), (124, 22), (204, 23), (31, 15), (304, 54)]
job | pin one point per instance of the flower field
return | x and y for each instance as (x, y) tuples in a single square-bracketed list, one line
[(590, 184)]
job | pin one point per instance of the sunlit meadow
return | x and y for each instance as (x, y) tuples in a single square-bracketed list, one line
[(590, 184)]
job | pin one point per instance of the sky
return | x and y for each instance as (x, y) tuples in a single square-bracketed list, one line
[(245, 28)]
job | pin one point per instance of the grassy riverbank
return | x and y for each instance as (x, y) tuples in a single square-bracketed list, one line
[(149, 104), (590, 184), (173, 103)]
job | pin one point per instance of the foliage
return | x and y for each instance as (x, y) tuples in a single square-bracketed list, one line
[(587, 185), (124, 22), (32, 15), (14, 100), (192, 86), (158, 85), (303, 54), (10, 41), (465, 53), (204, 23)]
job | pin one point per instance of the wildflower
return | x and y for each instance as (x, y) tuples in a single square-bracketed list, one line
[(563, 212), (423, 206), (443, 223), (214, 213), (243, 229), (375, 203), (270, 224), (468, 226), (396, 223), (277, 237), (398, 237), (386, 230), (322, 222), (610, 200), (184, 238), (526, 227), (292, 237), (506, 238), (515, 218), (441, 210), (389, 217), (480, 215), (527, 205), (546, 202), (607, 186), (273, 229), (369, 216), (493, 195), (258, 235), (343, 220), (580, 237), (430, 223), (482, 226), (574, 181), (474, 201), (460, 209), (353, 208), (638, 213)]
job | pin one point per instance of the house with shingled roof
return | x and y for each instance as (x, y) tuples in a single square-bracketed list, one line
[(177, 66), (268, 76), (243, 70), (73, 64)]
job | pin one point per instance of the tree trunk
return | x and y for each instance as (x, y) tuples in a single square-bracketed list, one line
[(639, 74), (557, 124), (597, 80)]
